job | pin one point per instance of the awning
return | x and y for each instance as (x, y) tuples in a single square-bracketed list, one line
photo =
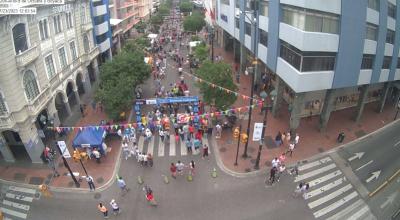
[(152, 36), (114, 21)]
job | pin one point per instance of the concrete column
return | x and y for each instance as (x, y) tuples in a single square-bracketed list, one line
[(67, 107), (327, 108), (382, 101), (242, 58), (5, 151), (78, 99), (279, 97), (119, 43), (86, 81), (297, 106), (361, 102), (33, 143), (96, 69), (51, 108)]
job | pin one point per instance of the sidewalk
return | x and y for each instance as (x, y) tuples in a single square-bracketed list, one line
[(40, 173), (312, 141)]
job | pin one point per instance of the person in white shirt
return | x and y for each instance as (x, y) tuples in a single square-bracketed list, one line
[(275, 162), (296, 139), (219, 130), (179, 167), (162, 134), (115, 207)]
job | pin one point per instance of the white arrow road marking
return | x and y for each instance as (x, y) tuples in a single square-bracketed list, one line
[(356, 155), (374, 175), (396, 144), (389, 199), (364, 165)]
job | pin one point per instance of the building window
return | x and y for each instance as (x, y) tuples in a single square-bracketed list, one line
[(290, 55), (225, 2), (30, 85), (63, 57), (237, 25), (390, 36), (264, 8), (68, 20), (49, 63), (86, 45), (373, 4), (263, 37), (307, 61), (3, 105), (372, 32), (398, 63), (310, 20), (83, 14), (391, 10), (247, 28), (386, 62), (367, 61), (73, 50), (237, 5), (57, 24), (43, 29), (19, 37)]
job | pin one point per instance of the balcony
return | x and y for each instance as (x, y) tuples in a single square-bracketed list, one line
[(36, 105), (63, 74), (7, 121), (26, 57)]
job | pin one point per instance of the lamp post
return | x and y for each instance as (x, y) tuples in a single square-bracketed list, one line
[(68, 168), (238, 144), (264, 96), (212, 44), (255, 55)]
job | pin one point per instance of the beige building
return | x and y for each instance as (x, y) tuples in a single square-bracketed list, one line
[(48, 61)]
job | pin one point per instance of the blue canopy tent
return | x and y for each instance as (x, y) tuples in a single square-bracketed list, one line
[(92, 137)]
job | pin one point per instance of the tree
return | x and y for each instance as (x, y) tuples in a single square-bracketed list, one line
[(186, 7), (194, 22), (220, 74), (201, 52), (156, 19), (118, 79), (163, 10)]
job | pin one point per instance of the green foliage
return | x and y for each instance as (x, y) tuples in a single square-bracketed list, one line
[(201, 52), (186, 6), (140, 26), (195, 38), (163, 10), (119, 77), (156, 19), (194, 22), (221, 75)]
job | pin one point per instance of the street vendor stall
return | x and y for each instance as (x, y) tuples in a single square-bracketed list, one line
[(89, 138)]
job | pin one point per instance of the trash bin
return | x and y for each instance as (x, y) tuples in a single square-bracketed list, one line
[(340, 137)]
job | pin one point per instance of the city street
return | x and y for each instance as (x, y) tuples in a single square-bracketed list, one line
[(223, 197)]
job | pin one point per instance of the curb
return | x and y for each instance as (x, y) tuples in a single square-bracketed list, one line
[(259, 172)]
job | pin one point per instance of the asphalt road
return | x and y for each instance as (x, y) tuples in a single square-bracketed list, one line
[(224, 197), (379, 154)]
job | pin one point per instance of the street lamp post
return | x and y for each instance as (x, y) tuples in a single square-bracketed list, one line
[(212, 43), (238, 144), (68, 168), (255, 43)]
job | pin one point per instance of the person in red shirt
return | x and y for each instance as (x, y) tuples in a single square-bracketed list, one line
[(172, 168), (198, 135), (191, 131)]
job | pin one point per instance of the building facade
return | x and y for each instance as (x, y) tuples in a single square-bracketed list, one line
[(48, 61), (101, 16), (322, 55)]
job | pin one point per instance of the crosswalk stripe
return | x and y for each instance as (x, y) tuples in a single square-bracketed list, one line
[(141, 143), (325, 178), (20, 189), (183, 148), (14, 213), (150, 147), (314, 172), (205, 141), (19, 197), (359, 213), (172, 151), (330, 196), (16, 205), (161, 147), (315, 163), (334, 205), (324, 188), (346, 211)]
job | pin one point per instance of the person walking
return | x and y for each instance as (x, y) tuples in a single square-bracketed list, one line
[(172, 168), (179, 167), (162, 134), (275, 162), (188, 144), (103, 210), (122, 185), (291, 148), (218, 129), (150, 159), (191, 167), (296, 140), (115, 207), (278, 139), (205, 151), (89, 180), (272, 175)]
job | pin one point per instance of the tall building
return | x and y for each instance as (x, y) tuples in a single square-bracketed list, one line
[(322, 55), (48, 61), (102, 28)]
